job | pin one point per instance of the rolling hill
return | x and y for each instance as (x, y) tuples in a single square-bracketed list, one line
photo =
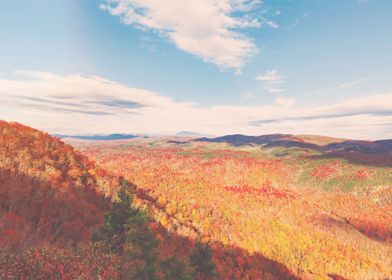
[(234, 207), (61, 217), (322, 215), (309, 141)]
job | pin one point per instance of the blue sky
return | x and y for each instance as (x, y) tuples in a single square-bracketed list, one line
[(215, 66)]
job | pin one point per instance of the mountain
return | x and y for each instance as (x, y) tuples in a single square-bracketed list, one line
[(60, 219), (285, 140), (306, 142), (366, 147), (116, 136), (322, 215), (254, 213), (49, 193)]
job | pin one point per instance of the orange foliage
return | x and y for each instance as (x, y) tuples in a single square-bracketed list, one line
[(249, 206), (46, 189), (260, 225)]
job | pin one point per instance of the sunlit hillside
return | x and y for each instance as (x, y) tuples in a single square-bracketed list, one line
[(322, 216), (277, 207), (196, 140), (61, 217)]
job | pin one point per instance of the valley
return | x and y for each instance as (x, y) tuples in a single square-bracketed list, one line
[(310, 211), (280, 208)]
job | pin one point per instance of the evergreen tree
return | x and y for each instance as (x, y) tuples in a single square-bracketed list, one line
[(175, 269), (201, 261), (127, 233)]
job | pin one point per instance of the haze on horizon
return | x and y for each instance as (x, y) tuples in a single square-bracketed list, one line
[(213, 66)]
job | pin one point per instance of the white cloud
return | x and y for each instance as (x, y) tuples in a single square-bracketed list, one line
[(285, 102), (209, 29), (270, 76), (270, 79), (352, 84), (271, 23), (75, 104)]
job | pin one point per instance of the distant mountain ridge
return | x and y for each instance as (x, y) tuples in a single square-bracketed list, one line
[(288, 140), (186, 133), (322, 144)]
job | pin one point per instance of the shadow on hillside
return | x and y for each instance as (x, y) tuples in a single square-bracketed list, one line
[(358, 158), (374, 153), (272, 140), (292, 144), (378, 154), (352, 151), (336, 277), (370, 231), (34, 211), (235, 262), (37, 199)]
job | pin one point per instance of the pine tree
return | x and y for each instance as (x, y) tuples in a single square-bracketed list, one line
[(175, 269), (201, 261), (126, 232)]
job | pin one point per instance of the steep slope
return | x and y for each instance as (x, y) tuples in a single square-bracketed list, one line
[(261, 222), (51, 198), (49, 193)]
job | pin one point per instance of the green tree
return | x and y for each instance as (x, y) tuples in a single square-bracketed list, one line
[(201, 261), (126, 232), (175, 269)]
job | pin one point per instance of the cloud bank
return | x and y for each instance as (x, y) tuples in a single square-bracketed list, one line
[(209, 29), (75, 104)]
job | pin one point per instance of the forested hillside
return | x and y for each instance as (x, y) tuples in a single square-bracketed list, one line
[(48, 192), (159, 209), (63, 218), (318, 216)]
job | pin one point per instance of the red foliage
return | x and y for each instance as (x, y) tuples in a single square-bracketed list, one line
[(42, 264), (47, 189), (326, 171), (362, 174)]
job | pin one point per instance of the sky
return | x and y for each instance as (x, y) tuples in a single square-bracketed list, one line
[(209, 66)]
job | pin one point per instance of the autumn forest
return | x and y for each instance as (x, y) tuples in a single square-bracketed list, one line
[(196, 140), (181, 207)]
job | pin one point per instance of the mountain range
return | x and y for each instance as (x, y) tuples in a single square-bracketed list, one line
[(305, 142)]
